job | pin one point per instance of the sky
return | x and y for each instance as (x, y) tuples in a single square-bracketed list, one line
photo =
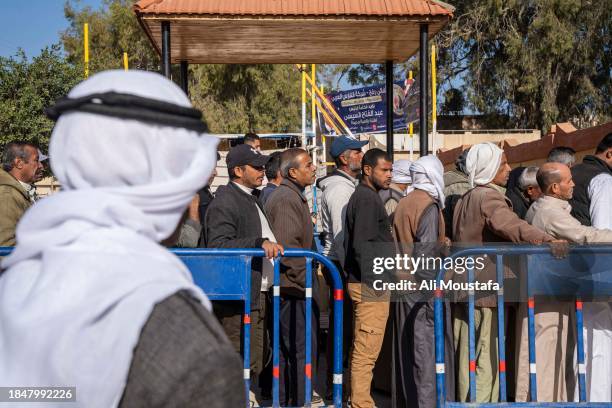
[(33, 24)]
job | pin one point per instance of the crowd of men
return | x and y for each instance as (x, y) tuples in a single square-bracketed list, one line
[(367, 202)]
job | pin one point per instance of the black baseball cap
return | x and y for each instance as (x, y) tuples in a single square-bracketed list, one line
[(244, 154)]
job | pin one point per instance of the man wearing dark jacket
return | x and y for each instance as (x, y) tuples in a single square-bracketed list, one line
[(273, 175), (367, 224), (290, 219), (592, 178), (235, 219)]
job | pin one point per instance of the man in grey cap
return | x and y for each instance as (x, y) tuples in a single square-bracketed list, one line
[(337, 189), (235, 219)]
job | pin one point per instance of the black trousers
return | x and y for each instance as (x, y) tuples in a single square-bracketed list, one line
[(293, 349), (414, 356)]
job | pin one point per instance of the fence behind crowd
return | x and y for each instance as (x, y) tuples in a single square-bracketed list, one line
[(225, 274), (572, 275)]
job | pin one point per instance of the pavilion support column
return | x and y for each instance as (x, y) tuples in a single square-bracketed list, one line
[(165, 27), (389, 103), (185, 77), (423, 90)]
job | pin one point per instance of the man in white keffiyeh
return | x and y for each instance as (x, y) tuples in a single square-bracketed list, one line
[(77, 298)]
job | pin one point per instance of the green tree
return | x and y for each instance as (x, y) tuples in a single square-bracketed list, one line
[(27, 88), (537, 62), (454, 103), (234, 98), (241, 98), (113, 30)]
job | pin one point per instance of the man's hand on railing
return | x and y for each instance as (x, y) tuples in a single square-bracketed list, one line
[(559, 248), (272, 249)]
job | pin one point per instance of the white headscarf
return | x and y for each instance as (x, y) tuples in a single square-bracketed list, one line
[(482, 163), (428, 175), (88, 269), (401, 172)]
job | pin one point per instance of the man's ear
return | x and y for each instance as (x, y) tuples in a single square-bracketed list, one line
[(367, 170), (554, 188), (343, 159), (18, 163), (239, 171)]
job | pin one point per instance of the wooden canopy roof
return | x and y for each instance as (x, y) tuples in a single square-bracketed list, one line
[(291, 31)]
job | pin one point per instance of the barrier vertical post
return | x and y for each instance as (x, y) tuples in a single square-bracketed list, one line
[(439, 342), (533, 383), (472, 336), (308, 361), (338, 300), (580, 351), (275, 333), (246, 345), (501, 336)]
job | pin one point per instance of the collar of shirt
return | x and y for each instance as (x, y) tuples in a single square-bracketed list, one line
[(557, 202), (247, 190), (351, 178), (27, 187)]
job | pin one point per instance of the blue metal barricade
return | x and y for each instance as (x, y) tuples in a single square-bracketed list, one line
[(214, 283), (580, 264), (225, 274)]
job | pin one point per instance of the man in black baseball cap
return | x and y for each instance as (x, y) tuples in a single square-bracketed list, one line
[(245, 154), (235, 219)]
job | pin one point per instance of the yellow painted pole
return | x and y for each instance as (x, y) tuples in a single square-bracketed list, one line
[(329, 106), (304, 145), (325, 114), (433, 98), (86, 48), (125, 61)]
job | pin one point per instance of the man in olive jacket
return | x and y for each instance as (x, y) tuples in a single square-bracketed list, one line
[(19, 166)]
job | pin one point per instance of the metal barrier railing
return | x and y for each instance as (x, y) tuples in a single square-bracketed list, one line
[(225, 274), (534, 287)]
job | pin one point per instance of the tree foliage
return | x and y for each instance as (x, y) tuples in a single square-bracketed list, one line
[(27, 88), (113, 30), (234, 98), (240, 98), (535, 61)]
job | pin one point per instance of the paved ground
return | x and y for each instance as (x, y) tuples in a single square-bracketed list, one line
[(381, 399)]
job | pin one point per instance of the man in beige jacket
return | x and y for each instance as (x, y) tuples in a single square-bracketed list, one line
[(20, 163), (555, 334), (484, 215)]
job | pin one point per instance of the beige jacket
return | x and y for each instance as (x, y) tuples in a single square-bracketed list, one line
[(484, 216), (552, 215)]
